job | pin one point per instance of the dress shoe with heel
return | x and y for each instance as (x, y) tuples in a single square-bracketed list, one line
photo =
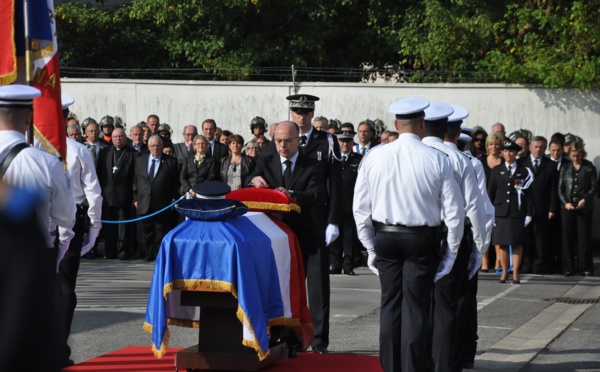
[(320, 349)]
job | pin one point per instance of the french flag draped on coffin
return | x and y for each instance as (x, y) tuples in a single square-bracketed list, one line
[(252, 255)]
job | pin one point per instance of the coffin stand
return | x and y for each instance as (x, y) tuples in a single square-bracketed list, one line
[(220, 337)]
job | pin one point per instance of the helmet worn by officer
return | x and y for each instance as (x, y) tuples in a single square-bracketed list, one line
[(119, 122), (87, 121), (164, 130), (258, 123), (107, 121)]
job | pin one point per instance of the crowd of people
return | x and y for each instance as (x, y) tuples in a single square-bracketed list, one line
[(418, 204)]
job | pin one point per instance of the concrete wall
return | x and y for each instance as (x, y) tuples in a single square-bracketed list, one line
[(233, 104)]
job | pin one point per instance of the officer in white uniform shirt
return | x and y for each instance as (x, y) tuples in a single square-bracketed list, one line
[(33, 168), (88, 201), (402, 192), (450, 289)]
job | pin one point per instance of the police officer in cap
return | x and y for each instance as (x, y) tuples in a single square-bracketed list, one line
[(451, 288), (402, 191), (324, 147)]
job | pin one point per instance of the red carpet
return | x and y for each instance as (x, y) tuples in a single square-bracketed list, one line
[(140, 358)]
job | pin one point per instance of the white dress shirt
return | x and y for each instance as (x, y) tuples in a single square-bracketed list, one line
[(85, 186), (36, 169), (465, 176), (408, 183)]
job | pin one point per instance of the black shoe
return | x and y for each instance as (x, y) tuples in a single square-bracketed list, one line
[(68, 363), (502, 281), (516, 281), (587, 273), (320, 349), (468, 365), (334, 271), (349, 272), (567, 273)]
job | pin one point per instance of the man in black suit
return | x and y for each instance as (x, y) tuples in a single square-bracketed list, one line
[(323, 147), (216, 149), (537, 253), (297, 176), (344, 251), (185, 149), (94, 143), (156, 182), (115, 170)]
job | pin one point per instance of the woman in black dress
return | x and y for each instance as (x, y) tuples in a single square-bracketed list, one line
[(508, 189), (577, 187), (198, 168)]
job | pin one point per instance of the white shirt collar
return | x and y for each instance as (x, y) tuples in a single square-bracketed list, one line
[(452, 145), (432, 139), (307, 134), (293, 158)]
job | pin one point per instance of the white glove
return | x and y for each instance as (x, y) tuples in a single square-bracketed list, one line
[(474, 263), (445, 265), (371, 261), (88, 243), (527, 220), (331, 234)]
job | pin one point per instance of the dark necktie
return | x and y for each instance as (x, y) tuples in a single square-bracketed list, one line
[(302, 141), (509, 169), (210, 151), (287, 173), (535, 165), (363, 150), (152, 168)]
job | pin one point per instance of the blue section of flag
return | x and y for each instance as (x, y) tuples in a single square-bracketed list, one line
[(233, 251), (39, 23)]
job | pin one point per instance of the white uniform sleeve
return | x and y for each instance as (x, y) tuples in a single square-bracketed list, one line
[(475, 207), (453, 211), (361, 208), (62, 204)]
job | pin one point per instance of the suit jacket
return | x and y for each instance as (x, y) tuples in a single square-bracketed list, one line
[(247, 164), (117, 186), (219, 151), (318, 148), (192, 174), (182, 154), (590, 180), (155, 195), (503, 194), (543, 191), (308, 186), (349, 174)]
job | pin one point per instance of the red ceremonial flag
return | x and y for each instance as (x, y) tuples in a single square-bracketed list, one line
[(47, 109), (8, 50)]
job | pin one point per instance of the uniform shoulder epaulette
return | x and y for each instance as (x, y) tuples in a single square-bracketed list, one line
[(439, 150)]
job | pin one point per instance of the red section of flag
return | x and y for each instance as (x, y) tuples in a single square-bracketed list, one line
[(8, 61), (47, 109)]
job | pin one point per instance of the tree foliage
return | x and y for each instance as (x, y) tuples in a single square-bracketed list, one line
[(552, 42)]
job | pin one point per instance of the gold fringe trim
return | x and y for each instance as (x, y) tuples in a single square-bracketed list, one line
[(158, 353), (183, 323), (241, 315), (48, 146), (273, 206), (8, 78), (199, 285)]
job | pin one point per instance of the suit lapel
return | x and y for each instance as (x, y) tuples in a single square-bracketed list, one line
[(298, 170), (312, 142), (276, 169)]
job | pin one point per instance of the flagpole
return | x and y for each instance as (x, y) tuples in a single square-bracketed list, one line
[(28, 69)]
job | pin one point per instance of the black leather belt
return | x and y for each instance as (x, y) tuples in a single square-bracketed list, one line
[(381, 227)]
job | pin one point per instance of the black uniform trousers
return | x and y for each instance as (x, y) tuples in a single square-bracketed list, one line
[(407, 263), (316, 269), (467, 322), (577, 233), (555, 241), (117, 237), (67, 277), (446, 310), (343, 251)]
